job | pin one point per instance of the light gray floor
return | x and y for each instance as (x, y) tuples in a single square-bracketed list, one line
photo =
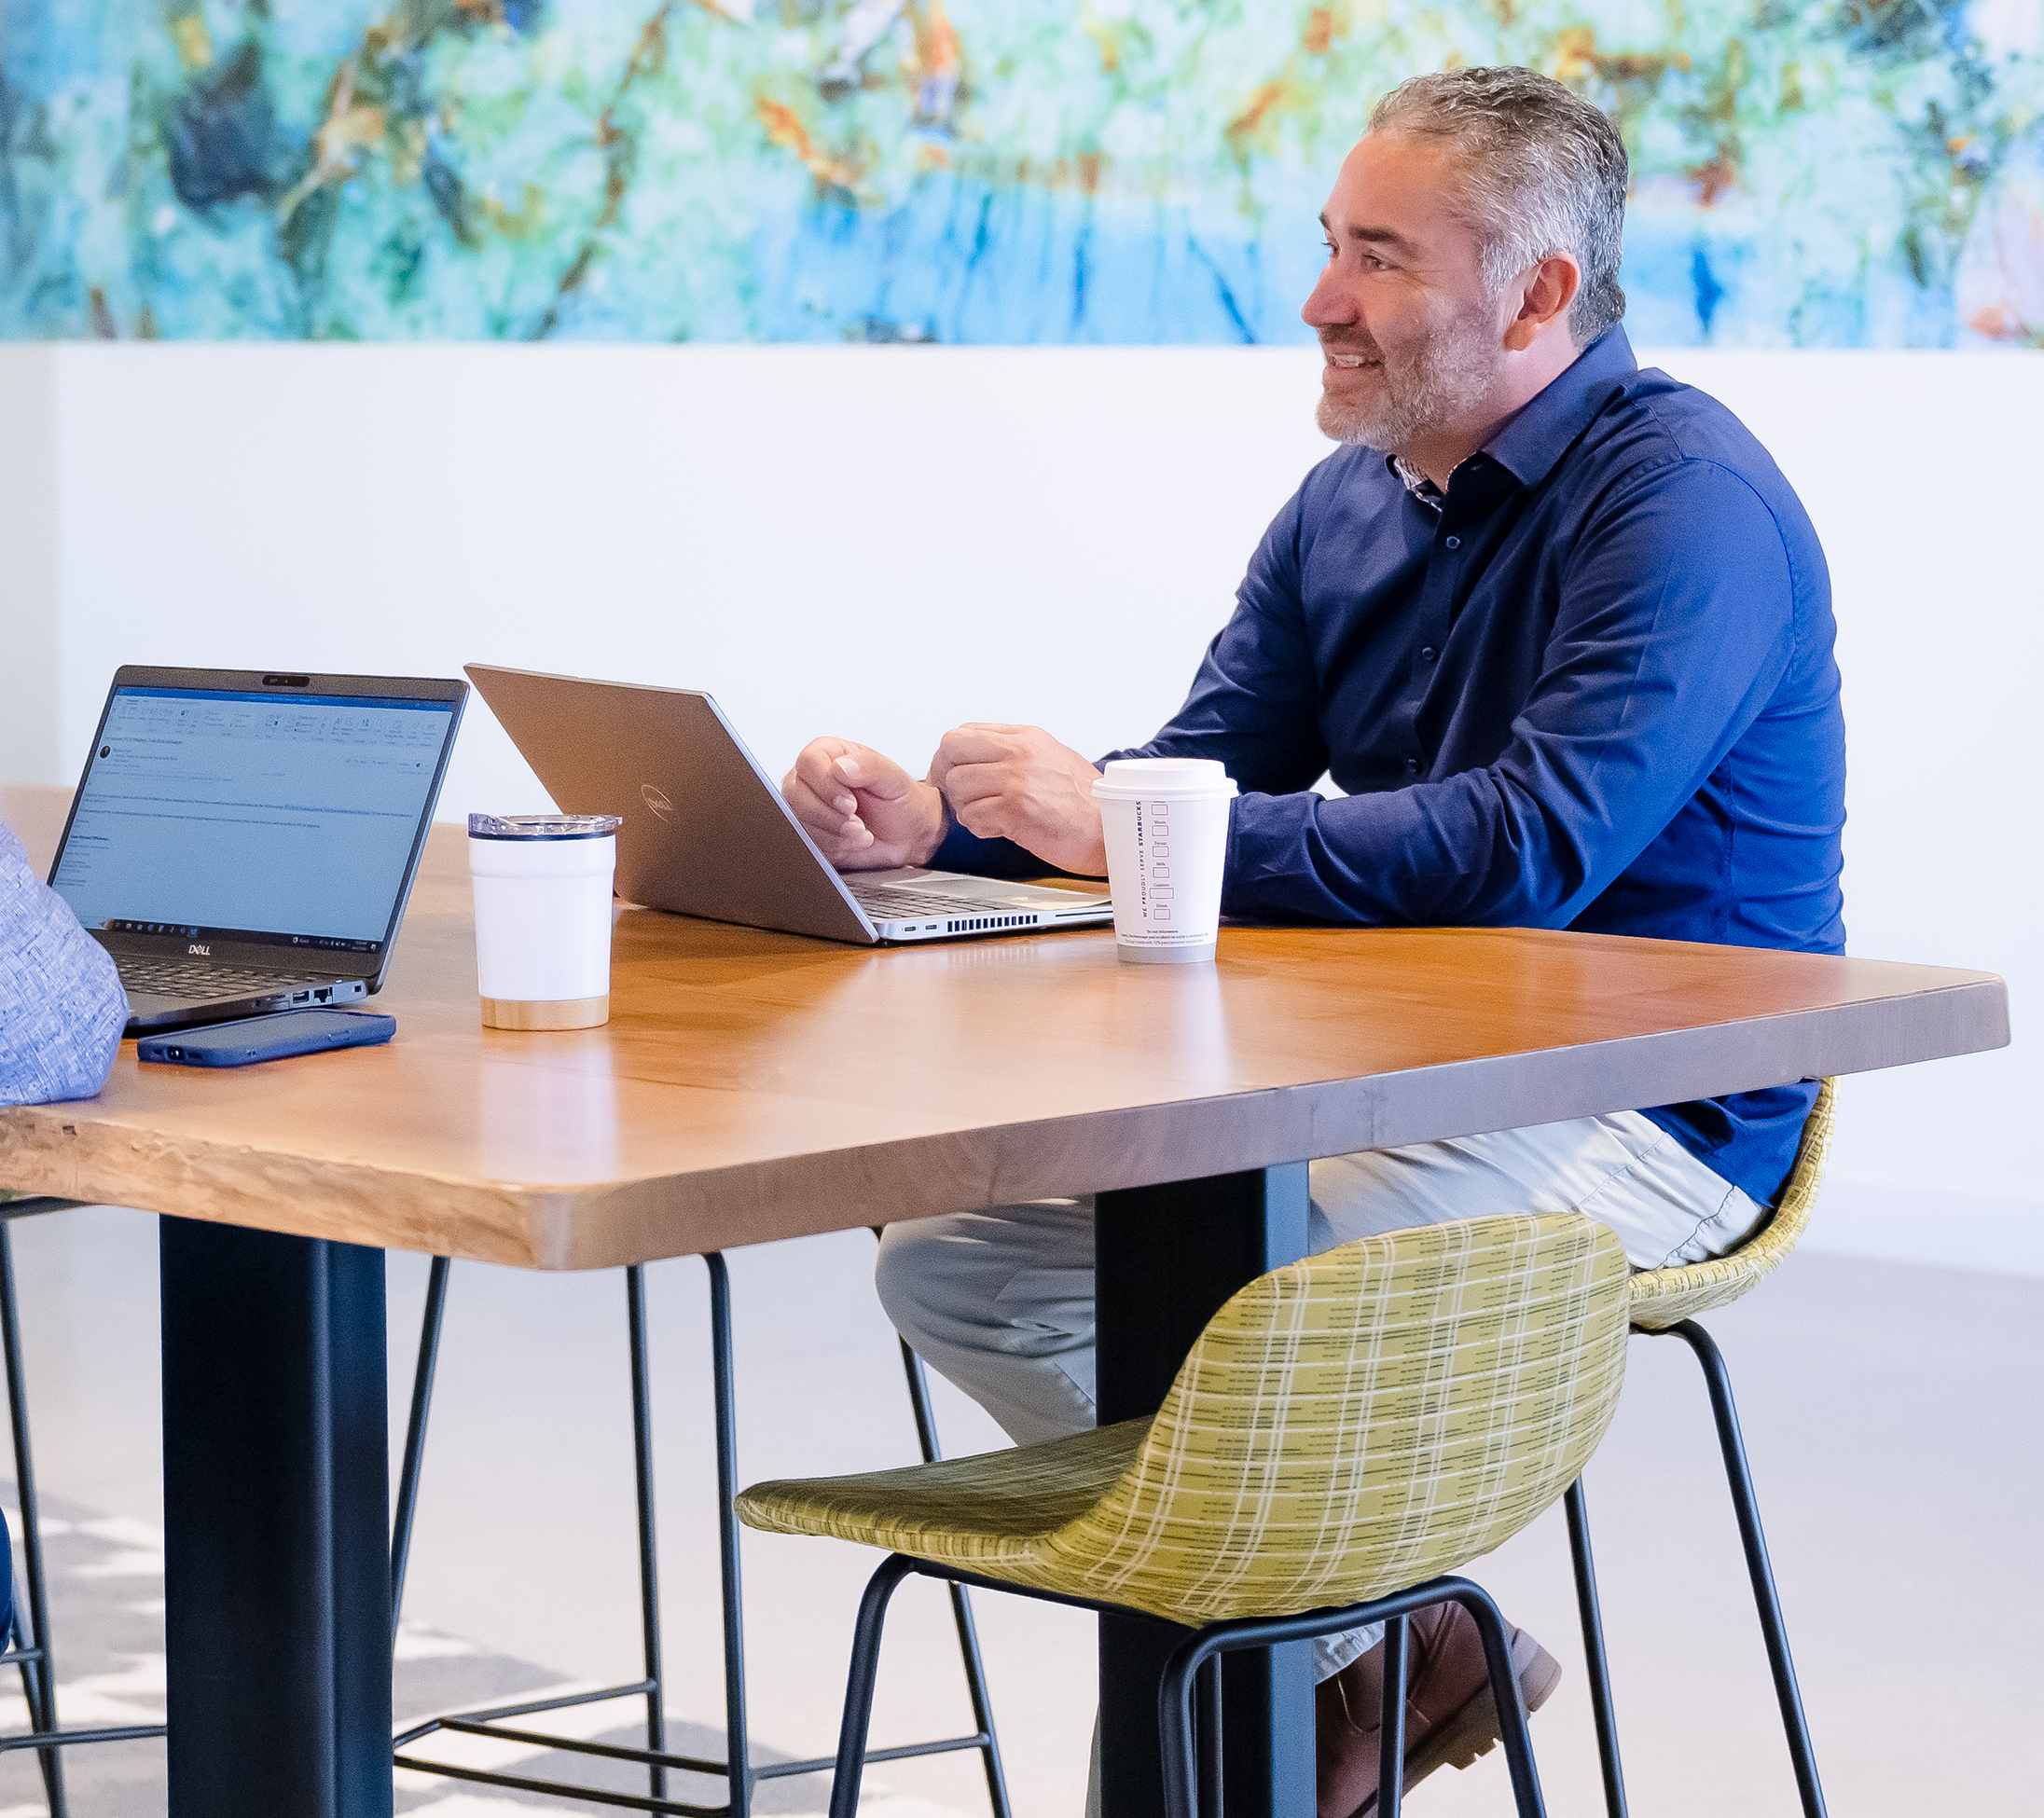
[(1893, 1414)]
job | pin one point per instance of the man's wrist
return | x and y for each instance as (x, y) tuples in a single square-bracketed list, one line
[(946, 819)]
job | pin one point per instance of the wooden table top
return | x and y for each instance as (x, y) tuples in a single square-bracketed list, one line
[(752, 1085)]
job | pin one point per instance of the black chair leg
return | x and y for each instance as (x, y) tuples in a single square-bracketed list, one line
[(1190, 1772), (737, 1767), (1739, 1479), (865, 1663), (738, 1745), (39, 1680), (651, 1686), (1504, 1691), (1209, 1734), (962, 1608), (649, 1566), (33, 1688), (415, 1434), (1391, 1743), (1594, 1658)]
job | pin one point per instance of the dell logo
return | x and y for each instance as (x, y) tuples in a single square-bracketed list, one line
[(204, 952), (655, 800)]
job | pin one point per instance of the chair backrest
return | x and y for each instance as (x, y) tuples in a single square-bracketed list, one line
[(1665, 1297), (1366, 1418)]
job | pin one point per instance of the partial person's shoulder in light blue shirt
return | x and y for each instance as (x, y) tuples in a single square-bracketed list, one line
[(61, 1007)]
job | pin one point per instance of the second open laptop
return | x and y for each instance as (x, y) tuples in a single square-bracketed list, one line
[(244, 841), (706, 831)]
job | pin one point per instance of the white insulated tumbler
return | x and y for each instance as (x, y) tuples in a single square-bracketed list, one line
[(543, 917), (1166, 823)]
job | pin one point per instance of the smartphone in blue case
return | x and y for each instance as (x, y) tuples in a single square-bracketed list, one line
[(268, 1038)]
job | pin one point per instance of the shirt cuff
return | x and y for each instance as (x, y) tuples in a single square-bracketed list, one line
[(978, 858)]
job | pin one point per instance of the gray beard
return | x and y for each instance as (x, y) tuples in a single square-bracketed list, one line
[(1444, 379)]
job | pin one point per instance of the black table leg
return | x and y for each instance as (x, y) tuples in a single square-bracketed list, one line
[(276, 1512), (1166, 1258)]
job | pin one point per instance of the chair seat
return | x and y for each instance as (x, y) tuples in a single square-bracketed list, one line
[(1662, 1298), (990, 1512), (1346, 1426)]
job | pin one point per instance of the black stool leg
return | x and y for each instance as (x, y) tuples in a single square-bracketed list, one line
[(1189, 1752), (1210, 1734), (738, 1746), (1392, 1745), (1505, 1694), (1593, 1651), (415, 1434), (31, 1695), (39, 1681), (651, 1686), (1739, 1479), (962, 1608), (865, 1666), (649, 1566)]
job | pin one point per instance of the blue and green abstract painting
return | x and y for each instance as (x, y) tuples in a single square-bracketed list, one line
[(1808, 173)]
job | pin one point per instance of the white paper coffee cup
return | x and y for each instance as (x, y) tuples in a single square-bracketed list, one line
[(543, 917), (1166, 821)]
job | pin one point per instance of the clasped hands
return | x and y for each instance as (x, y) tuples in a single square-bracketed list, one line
[(867, 813)]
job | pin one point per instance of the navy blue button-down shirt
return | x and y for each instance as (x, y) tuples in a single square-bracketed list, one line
[(1591, 686)]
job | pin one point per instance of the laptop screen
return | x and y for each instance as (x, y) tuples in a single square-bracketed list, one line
[(286, 820)]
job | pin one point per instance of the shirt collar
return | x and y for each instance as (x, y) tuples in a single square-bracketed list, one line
[(1536, 439), (1417, 484), (1530, 445)]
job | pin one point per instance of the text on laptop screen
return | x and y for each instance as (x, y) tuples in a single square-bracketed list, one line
[(285, 818)]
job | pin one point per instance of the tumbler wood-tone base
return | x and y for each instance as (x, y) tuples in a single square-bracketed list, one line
[(554, 1013)]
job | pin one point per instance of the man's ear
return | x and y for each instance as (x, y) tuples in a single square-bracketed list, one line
[(1544, 291)]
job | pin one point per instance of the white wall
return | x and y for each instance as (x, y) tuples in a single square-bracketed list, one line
[(881, 542), (31, 628)]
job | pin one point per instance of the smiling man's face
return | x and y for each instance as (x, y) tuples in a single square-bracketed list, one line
[(1411, 333)]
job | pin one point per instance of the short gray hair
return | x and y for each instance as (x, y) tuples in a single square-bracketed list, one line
[(1544, 172)]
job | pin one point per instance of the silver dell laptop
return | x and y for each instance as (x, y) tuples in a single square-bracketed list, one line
[(706, 831)]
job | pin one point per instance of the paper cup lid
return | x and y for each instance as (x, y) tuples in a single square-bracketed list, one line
[(542, 826), (1165, 777)]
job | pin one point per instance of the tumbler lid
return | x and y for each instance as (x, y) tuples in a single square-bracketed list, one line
[(543, 826)]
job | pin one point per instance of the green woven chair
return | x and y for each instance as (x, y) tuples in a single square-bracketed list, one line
[(1345, 1431), (1663, 1303)]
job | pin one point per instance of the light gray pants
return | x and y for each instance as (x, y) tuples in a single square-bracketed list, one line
[(1000, 1301)]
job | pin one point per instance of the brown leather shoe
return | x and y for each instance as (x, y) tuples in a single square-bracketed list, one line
[(1450, 1717)]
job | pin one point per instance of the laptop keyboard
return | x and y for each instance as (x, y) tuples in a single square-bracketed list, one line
[(184, 979), (895, 901)]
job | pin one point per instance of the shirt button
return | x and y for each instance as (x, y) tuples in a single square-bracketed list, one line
[(1412, 766), (1454, 542), (1426, 653)]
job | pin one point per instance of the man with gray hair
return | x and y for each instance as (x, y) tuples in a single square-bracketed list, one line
[(1561, 634)]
